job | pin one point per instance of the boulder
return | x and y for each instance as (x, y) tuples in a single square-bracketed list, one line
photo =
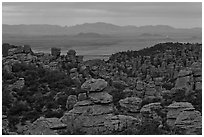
[(82, 96), (119, 84), (43, 126), (151, 112), (175, 109), (94, 85), (131, 104), (71, 100), (101, 124), (184, 82), (183, 73), (101, 97), (149, 108), (190, 121)]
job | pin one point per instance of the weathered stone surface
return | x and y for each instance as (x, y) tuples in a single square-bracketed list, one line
[(131, 104), (149, 108), (101, 97), (92, 110), (198, 86), (190, 122), (94, 85), (84, 103), (71, 100), (102, 124), (175, 109), (82, 96), (183, 73), (119, 84), (42, 126)]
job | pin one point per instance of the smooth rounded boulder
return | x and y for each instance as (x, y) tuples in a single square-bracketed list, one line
[(94, 85)]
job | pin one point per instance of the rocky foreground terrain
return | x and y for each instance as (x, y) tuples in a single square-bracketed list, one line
[(156, 90)]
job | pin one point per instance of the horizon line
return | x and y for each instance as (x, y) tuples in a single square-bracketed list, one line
[(105, 23)]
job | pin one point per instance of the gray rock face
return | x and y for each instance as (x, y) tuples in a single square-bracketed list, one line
[(71, 100), (42, 126), (190, 121), (94, 85), (149, 108), (175, 109), (119, 84), (183, 73), (131, 104), (100, 124), (82, 96), (101, 97)]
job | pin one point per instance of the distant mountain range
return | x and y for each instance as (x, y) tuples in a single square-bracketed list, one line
[(98, 29)]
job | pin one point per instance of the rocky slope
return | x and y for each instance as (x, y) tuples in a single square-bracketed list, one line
[(157, 90)]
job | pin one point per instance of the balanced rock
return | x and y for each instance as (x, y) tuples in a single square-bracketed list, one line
[(101, 97), (131, 104), (94, 85)]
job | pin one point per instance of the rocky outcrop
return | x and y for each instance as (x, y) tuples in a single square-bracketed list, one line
[(184, 81), (175, 109), (42, 126), (71, 101), (190, 122), (101, 97), (131, 104), (95, 115)]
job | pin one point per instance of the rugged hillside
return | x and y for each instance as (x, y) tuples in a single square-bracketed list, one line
[(156, 90)]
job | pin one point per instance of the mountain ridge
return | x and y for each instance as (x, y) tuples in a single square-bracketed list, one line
[(98, 27)]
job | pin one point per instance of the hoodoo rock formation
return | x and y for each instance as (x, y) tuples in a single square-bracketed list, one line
[(156, 90)]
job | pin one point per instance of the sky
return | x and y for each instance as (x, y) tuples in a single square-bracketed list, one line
[(178, 15)]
